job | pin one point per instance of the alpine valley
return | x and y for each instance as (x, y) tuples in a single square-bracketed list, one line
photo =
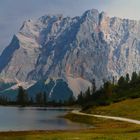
[(62, 55)]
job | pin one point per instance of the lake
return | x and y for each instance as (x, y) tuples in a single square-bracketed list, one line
[(35, 118)]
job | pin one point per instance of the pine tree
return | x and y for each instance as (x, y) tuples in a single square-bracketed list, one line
[(31, 101), (44, 98), (22, 97), (108, 89), (87, 96), (39, 99), (121, 81), (127, 78), (71, 100), (93, 86), (134, 77), (80, 98)]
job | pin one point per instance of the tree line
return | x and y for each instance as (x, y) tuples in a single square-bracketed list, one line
[(110, 92), (40, 99)]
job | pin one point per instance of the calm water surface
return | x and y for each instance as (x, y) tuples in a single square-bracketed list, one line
[(33, 118)]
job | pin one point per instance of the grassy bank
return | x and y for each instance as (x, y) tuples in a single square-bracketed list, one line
[(71, 135), (129, 108), (106, 126), (115, 130)]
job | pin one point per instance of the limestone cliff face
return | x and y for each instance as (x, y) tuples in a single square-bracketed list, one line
[(89, 46)]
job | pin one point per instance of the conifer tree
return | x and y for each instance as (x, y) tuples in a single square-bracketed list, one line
[(22, 97)]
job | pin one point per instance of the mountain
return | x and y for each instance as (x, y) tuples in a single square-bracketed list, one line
[(57, 90), (75, 50)]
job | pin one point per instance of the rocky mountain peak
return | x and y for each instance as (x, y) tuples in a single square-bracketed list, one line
[(75, 49)]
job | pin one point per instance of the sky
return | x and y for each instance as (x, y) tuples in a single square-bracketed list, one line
[(14, 12)]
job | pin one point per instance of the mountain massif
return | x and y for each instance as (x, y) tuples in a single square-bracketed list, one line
[(73, 50)]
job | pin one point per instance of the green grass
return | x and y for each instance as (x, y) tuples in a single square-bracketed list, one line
[(106, 126), (77, 135), (129, 108)]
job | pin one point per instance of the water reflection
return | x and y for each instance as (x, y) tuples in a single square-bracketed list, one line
[(32, 118)]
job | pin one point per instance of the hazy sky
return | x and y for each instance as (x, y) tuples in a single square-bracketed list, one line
[(14, 12)]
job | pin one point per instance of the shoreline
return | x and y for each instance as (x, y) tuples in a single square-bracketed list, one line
[(47, 107)]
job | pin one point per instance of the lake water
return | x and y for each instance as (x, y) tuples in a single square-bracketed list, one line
[(35, 118)]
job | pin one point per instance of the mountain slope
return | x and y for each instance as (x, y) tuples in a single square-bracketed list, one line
[(89, 46), (57, 90)]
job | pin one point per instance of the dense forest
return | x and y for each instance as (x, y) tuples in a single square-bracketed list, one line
[(110, 92), (126, 87)]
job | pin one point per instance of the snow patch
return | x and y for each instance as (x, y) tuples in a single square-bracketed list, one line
[(25, 85), (51, 92)]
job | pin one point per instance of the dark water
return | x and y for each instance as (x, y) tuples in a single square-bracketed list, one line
[(32, 118)]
